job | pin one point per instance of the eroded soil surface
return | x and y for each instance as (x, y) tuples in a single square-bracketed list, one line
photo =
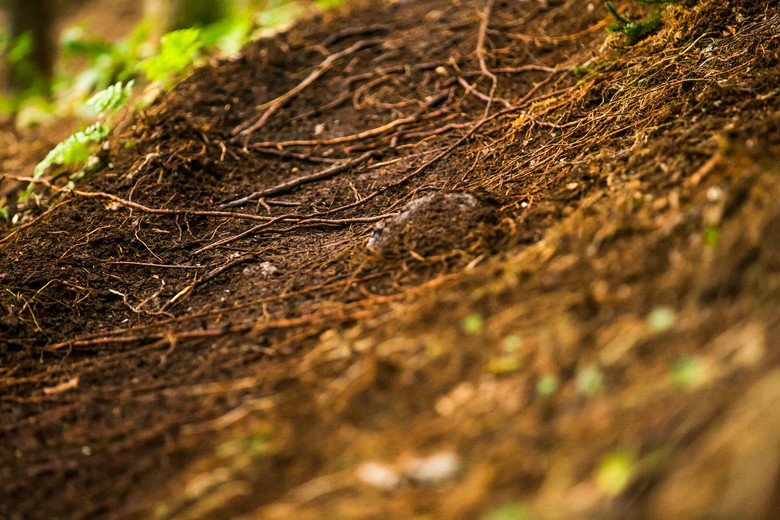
[(575, 314)]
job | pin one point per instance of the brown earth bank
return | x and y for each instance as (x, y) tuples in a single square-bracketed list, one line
[(432, 259)]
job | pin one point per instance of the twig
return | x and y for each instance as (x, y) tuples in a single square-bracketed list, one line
[(135, 205), (107, 336), (290, 185), (162, 266), (569, 37), (209, 276), (481, 53), (294, 155), (302, 223), (353, 31), (233, 238), (336, 316), (471, 89), (523, 103), (275, 104), (524, 68), (419, 116), (33, 221)]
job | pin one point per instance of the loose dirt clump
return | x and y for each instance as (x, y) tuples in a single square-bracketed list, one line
[(574, 300), (431, 224)]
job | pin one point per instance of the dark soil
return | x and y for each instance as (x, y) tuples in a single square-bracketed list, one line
[(593, 338)]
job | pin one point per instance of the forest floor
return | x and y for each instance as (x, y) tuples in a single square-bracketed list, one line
[(573, 320)]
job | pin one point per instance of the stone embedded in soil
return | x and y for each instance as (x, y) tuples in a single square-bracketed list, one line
[(434, 469), (431, 224), (378, 475)]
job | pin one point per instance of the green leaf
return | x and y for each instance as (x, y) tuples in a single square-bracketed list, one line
[(547, 385), (473, 324), (21, 48), (73, 150), (111, 99), (689, 372), (616, 472), (178, 49)]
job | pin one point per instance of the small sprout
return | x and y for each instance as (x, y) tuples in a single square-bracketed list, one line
[(661, 319), (616, 472), (79, 146), (590, 381), (473, 324), (689, 372), (711, 235), (111, 99), (585, 67), (73, 150), (547, 385), (4, 213), (634, 32)]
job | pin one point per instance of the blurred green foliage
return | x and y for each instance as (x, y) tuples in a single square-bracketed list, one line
[(218, 27), (178, 49)]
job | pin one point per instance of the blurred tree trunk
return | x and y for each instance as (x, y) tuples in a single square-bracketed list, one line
[(35, 17)]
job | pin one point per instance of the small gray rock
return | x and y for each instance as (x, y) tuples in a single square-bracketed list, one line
[(430, 224)]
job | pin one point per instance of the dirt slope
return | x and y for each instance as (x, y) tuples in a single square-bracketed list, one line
[(589, 331)]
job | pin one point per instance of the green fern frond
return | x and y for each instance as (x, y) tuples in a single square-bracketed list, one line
[(111, 99), (73, 150)]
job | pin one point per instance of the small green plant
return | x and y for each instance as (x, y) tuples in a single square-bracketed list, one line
[(689, 372), (585, 67), (634, 32), (80, 146), (178, 49), (711, 235), (616, 472), (547, 385), (73, 150), (473, 324), (111, 99)]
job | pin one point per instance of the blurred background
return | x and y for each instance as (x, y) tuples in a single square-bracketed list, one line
[(57, 52)]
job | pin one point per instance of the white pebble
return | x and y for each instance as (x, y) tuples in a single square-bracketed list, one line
[(378, 475), (434, 469)]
